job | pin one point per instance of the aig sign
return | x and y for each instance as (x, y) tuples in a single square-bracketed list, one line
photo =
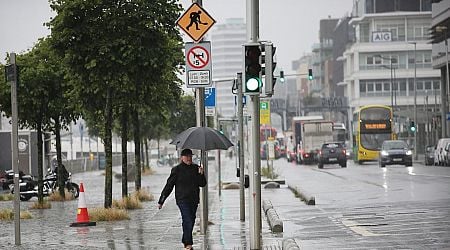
[(381, 36)]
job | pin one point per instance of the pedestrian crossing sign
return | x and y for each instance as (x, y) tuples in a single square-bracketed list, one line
[(195, 22)]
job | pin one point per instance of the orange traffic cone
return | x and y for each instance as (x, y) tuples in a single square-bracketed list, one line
[(82, 213)]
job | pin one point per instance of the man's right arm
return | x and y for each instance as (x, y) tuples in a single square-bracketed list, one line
[(168, 187)]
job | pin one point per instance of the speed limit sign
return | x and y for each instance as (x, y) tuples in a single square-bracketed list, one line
[(198, 64)]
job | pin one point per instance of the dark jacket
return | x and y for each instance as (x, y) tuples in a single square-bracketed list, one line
[(187, 181)]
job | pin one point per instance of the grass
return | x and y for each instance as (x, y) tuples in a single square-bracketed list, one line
[(55, 196), (130, 202), (8, 214), (6, 197), (269, 173), (44, 205), (143, 195), (108, 214)]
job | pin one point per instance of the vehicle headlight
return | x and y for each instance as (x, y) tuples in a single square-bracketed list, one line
[(409, 152), (384, 153)]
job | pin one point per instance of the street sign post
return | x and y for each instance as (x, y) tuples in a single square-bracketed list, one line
[(195, 22), (198, 64)]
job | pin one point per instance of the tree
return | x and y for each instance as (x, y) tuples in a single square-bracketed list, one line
[(116, 52)]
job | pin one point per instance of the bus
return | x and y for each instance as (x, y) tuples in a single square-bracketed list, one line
[(372, 125)]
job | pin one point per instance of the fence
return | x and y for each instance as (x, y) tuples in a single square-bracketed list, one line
[(86, 164)]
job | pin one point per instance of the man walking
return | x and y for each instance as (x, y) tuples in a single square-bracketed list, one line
[(186, 177)]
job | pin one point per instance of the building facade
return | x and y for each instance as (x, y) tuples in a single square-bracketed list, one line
[(227, 53), (391, 55)]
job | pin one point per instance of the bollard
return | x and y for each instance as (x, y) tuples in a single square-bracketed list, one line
[(308, 199), (267, 204), (290, 244)]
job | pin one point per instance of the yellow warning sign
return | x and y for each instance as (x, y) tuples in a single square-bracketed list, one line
[(195, 22)]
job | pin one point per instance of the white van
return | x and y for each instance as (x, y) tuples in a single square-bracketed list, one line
[(440, 154)]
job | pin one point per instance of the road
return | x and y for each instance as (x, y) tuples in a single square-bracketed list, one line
[(367, 207)]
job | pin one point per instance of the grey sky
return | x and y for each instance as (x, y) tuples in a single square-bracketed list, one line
[(292, 25)]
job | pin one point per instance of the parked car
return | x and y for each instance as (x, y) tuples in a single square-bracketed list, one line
[(333, 153), (440, 151), (395, 152), (429, 155)]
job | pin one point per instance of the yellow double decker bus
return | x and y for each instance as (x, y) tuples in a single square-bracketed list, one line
[(372, 125)]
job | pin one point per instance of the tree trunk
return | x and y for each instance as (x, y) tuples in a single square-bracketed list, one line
[(40, 168), (59, 157), (124, 136), (108, 150), (142, 155), (137, 149), (147, 162)]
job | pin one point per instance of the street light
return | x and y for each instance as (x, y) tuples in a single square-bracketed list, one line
[(390, 67), (443, 30), (415, 101)]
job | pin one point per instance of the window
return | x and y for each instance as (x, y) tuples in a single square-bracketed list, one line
[(419, 85), (370, 87), (362, 87), (378, 87), (428, 85), (387, 86)]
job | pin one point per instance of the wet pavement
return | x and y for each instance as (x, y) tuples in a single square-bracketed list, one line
[(148, 228)]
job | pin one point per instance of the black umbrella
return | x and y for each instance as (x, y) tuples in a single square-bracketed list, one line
[(202, 138)]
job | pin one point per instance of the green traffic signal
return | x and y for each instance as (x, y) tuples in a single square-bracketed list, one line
[(310, 74), (253, 69), (412, 126)]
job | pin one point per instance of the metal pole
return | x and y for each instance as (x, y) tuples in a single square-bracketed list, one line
[(218, 159), (416, 156), (255, 171), (200, 117), (392, 88), (447, 83), (15, 149), (241, 147)]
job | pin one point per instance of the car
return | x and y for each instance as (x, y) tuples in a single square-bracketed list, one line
[(429, 155), (264, 152), (440, 151), (395, 152), (332, 153)]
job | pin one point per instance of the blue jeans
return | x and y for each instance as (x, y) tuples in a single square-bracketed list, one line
[(188, 211)]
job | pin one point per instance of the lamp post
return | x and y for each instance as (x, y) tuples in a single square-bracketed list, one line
[(415, 102), (392, 89), (444, 96)]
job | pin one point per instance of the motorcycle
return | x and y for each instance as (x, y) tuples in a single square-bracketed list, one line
[(8, 178), (29, 188)]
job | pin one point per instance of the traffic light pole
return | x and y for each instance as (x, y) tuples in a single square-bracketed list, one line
[(240, 105), (252, 17)]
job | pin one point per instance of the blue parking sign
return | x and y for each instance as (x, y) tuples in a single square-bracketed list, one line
[(210, 97)]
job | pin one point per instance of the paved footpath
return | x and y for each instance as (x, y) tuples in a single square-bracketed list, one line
[(148, 228)]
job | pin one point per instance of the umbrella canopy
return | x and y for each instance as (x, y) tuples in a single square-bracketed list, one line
[(202, 138)]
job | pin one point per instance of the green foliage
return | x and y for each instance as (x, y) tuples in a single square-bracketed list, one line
[(182, 116)]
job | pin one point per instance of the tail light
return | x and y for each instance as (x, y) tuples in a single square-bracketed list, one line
[(320, 152), (344, 152)]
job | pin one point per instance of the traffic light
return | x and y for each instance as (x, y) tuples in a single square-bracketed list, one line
[(269, 67), (282, 76), (412, 126), (252, 69), (310, 74)]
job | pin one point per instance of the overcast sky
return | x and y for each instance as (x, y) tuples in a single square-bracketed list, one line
[(292, 25)]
